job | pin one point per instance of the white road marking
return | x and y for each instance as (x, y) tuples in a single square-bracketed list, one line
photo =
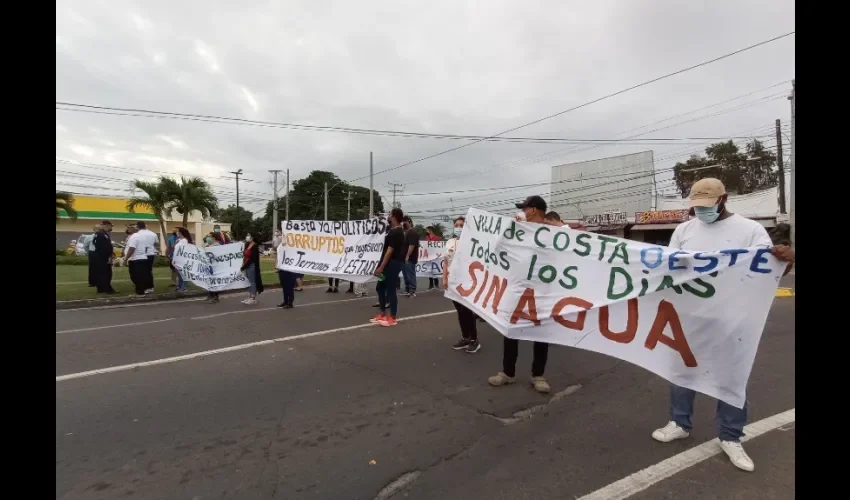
[(115, 326), (239, 347), (273, 308), (642, 480)]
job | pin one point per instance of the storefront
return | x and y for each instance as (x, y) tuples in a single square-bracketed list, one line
[(609, 223), (657, 227)]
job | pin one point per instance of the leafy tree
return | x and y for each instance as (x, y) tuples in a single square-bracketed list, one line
[(188, 195), (420, 230), (65, 202), (740, 172), (241, 221), (307, 202), (439, 230), (157, 201)]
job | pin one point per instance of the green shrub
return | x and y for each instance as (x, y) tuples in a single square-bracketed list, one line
[(61, 251)]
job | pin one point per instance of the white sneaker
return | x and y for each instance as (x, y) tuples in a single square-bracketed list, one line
[(250, 302), (737, 455), (670, 432)]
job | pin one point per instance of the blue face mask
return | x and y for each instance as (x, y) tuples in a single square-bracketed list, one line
[(707, 215), (456, 231)]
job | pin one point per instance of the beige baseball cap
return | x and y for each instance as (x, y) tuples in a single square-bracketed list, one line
[(705, 192)]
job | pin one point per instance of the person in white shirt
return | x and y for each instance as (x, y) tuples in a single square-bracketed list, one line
[(716, 228), (184, 237), (137, 260), (465, 317), (150, 242)]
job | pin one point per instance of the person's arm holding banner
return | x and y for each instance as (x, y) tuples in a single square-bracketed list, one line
[(785, 254)]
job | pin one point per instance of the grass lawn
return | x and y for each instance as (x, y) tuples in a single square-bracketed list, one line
[(72, 281)]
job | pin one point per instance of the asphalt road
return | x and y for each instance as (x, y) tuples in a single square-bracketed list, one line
[(366, 412)]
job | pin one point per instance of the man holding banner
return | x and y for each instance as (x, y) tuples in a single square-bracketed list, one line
[(715, 228), (533, 209)]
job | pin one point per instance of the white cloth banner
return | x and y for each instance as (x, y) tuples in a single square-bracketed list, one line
[(214, 268), (694, 318), (348, 250), (430, 263)]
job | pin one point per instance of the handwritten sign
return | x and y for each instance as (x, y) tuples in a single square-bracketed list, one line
[(661, 217), (694, 318), (606, 219), (214, 268), (430, 263)]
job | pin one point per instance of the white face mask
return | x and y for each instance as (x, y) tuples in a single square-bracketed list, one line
[(521, 216)]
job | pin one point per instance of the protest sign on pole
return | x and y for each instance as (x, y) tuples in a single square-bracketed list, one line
[(694, 318), (348, 250), (212, 268)]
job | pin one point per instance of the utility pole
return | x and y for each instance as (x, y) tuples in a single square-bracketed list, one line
[(287, 195), (236, 219), (348, 199), (274, 201), (326, 201), (395, 188), (793, 163), (371, 191), (781, 165)]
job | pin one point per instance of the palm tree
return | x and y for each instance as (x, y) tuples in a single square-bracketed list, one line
[(188, 195), (157, 201), (65, 201)]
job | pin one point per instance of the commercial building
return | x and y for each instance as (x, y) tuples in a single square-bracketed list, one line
[(597, 188), (92, 210)]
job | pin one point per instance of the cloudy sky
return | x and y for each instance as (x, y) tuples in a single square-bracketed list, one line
[(439, 67)]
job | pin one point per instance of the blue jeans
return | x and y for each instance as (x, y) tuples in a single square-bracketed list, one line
[(386, 289), (252, 280), (730, 420), (409, 272), (287, 283)]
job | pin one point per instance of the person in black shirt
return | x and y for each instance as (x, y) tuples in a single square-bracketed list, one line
[(103, 255), (411, 257), (388, 270)]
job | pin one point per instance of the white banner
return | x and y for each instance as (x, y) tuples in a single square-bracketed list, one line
[(212, 268), (693, 318), (430, 263), (348, 250)]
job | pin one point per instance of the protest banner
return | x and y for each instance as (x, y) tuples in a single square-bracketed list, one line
[(213, 268), (430, 263), (693, 318), (348, 250)]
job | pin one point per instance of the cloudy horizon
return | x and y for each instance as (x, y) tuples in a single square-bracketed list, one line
[(465, 68)]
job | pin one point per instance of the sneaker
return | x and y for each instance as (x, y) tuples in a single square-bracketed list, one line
[(377, 319), (245, 301), (670, 432), (412, 295), (388, 321), (500, 379), (282, 305), (540, 385), (473, 347), (149, 290), (336, 290), (250, 302), (288, 306), (329, 290), (737, 455), (214, 300), (461, 344)]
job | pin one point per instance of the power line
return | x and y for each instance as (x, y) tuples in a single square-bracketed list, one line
[(84, 108), (608, 96)]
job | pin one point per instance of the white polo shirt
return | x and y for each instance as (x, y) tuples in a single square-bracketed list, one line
[(150, 241)]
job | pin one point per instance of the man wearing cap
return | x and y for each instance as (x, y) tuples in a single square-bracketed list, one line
[(533, 209), (715, 228), (103, 255)]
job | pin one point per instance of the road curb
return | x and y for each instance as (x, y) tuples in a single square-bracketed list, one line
[(162, 297)]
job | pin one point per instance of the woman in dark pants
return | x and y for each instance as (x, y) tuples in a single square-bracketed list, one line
[(465, 316), (287, 281), (251, 267)]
